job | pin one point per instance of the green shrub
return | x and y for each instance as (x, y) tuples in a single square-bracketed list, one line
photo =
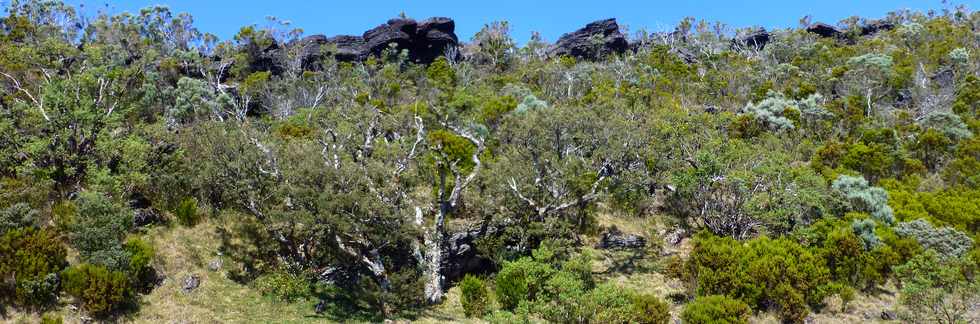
[(283, 286), (51, 319), (937, 290), (761, 272), (16, 216), (99, 231), (140, 258), (650, 309), (948, 242), (100, 292), (519, 281), (475, 296), (186, 212), (32, 258), (716, 309)]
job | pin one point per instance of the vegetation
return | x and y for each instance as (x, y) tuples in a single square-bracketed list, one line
[(778, 179)]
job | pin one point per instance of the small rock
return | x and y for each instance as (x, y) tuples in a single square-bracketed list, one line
[(320, 307), (191, 283), (215, 265), (711, 109), (675, 237), (889, 315)]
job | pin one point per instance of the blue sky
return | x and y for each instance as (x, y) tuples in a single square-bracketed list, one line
[(550, 18)]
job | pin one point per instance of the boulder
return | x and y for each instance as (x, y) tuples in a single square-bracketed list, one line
[(889, 315), (616, 239), (876, 26), (594, 41), (824, 30), (435, 36), (424, 41), (460, 256), (399, 31), (191, 283), (757, 39), (145, 216)]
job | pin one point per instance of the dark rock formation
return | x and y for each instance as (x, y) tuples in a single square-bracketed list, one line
[(876, 26), (424, 41), (595, 40), (824, 30), (460, 256), (757, 39), (889, 315), (615, 239), (146, 216), (400, 32)]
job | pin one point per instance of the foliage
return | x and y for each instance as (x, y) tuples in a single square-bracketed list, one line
[(100, 291), (475, 296), (187, 213), (938, 290), (30, 260), (763, 272), (865, 198), (99, 231), (716, 309), (947, 242), (282, 286)]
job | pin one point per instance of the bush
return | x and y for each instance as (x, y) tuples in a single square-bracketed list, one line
[(650, 309), (761, 272), (100, 291), (475, 296), (865, 198), (99, 231), (140, 257), (948, 242), (716, 309), (186, 212), (519, 281), (936, 290), (32, 258), (283, 286), (16, 216)]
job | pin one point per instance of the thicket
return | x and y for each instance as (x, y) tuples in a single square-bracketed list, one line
[(385, 182)]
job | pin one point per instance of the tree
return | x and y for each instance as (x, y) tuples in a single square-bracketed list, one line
[(871, 72)]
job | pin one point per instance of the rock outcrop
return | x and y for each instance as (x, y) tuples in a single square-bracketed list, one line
[(824, 30), (616, 239), (756, 40), (875, 27), (424, 41), (594, 41)]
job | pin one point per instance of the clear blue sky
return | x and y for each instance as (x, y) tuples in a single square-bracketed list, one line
[(550, 18)]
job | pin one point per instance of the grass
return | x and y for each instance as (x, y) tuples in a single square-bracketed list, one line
[(184, 251)]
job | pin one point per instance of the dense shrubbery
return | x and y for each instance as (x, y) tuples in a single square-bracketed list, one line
[(814, 166), (475, 297), (30, 260), (100, 291), (716, 309), (565, 292), (776, 274)]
